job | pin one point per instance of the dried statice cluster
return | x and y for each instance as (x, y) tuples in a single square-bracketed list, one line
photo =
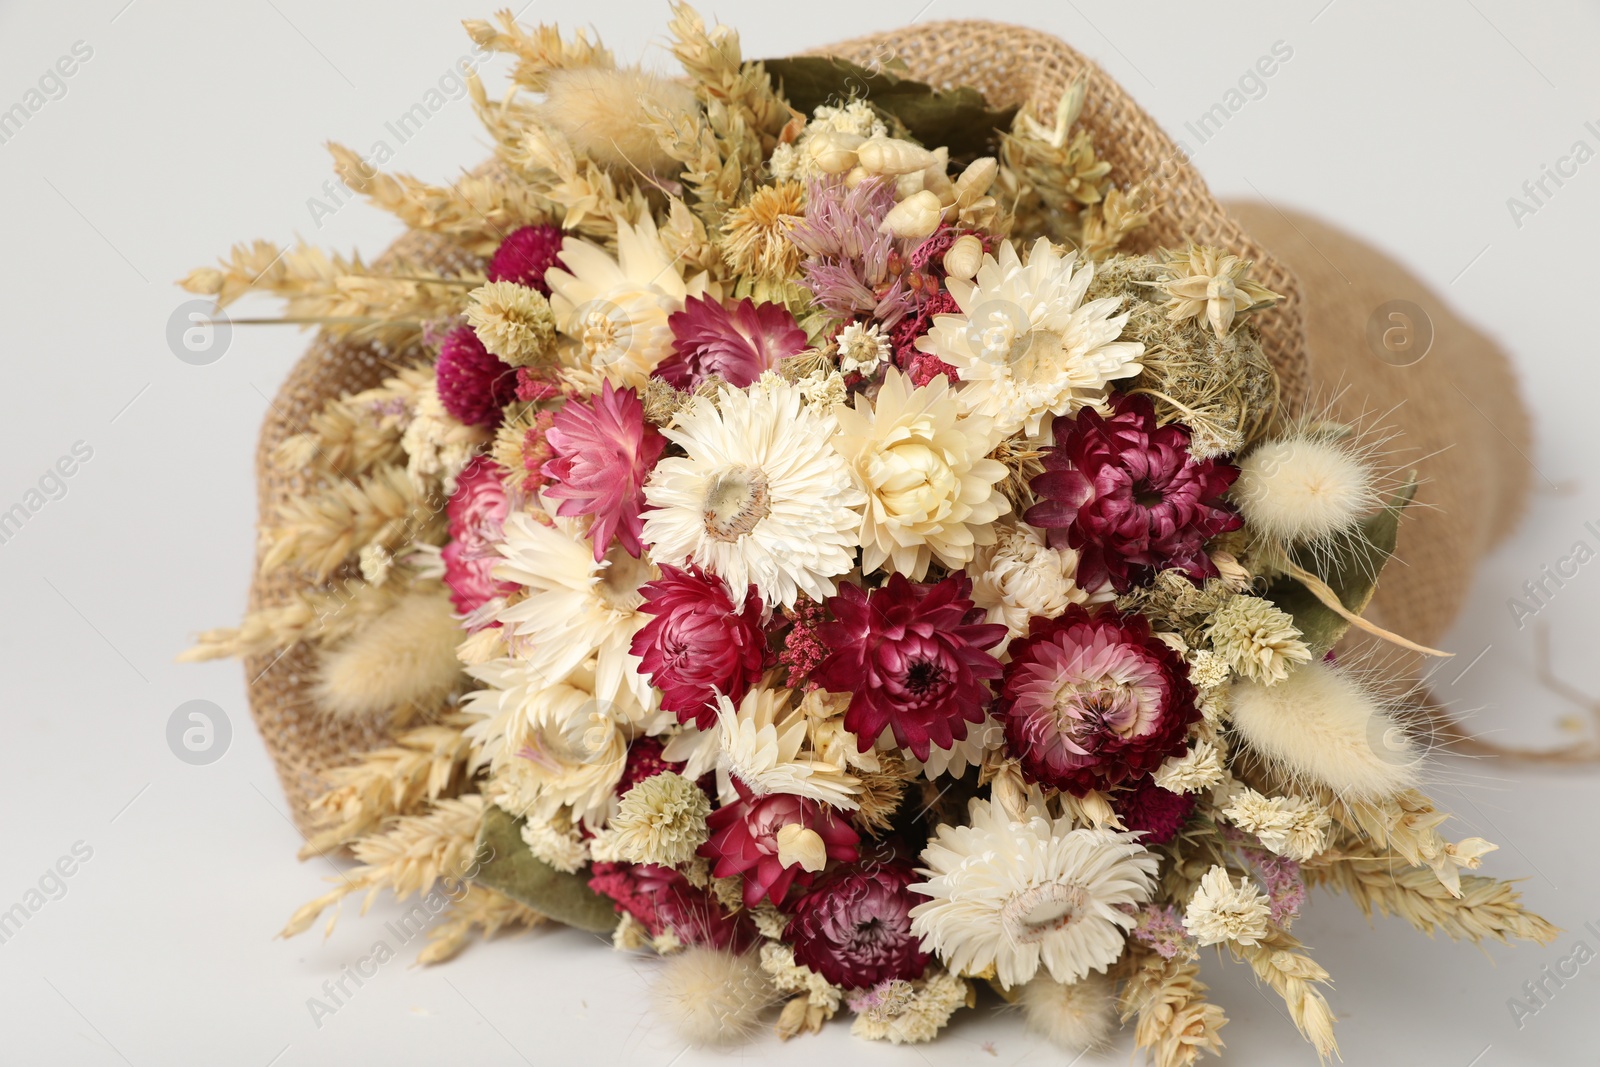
[(838, 569)]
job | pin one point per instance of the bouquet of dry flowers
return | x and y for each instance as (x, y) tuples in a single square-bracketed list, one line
[(791, 537)]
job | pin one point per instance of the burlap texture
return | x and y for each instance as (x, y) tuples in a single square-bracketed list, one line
[(1477, 487)]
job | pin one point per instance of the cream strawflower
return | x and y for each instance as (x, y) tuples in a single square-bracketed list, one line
[(548, 745), (1019, 576), (576, 610), (931, 490), (616, 308), (1222, 911), (1012, 895), (1026, 345), (761, 746), (761, 498)]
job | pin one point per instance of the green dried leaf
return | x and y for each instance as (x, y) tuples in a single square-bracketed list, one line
[(1352, 574), (506, 866), (958, 118)]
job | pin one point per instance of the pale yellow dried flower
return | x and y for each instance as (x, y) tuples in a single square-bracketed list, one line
[(1221, 910), (1200, 767), (514, 322), (1206, 282), (755, 234), (1289, 826), (1257, 639), (661, 820)]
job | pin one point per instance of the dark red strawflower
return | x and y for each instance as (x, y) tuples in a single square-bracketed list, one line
[(699, 643), (1128, 496), (736, 345), (662, 899), (1093, 701), (1158, 812), (744, 840), (643, 761), (602, 452), (854, 929), (473, 384), (526, 254), (913, 657)]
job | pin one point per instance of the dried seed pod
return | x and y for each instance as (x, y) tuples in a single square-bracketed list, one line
[(963, 258), (917, 215), (834, 152), (890, 155), (976, 180)]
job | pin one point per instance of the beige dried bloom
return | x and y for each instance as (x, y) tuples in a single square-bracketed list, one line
[(755, 234), (556, 841), (1198, 768), (1208, 282), (1256, 638), (437, 446), (513, 322), (1290, 826), (1222, 911), (777, 960), (661, 820), (1207, 669), (903, 1012)]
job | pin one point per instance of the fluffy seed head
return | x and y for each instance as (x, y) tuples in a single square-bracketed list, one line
[(710, 997), (1304, 489), (1321, 725), (1075, 1017), (601, 112), (406, 658)]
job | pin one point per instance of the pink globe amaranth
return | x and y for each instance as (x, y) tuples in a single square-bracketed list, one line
[(602, 451), (525, 255), (744, 840), (737, 345), (913, 657), (662, 899), (1128, 496), (854, 928), (699, 643), (1093, 701), (1159, 813), (476, 512), (473, 384)]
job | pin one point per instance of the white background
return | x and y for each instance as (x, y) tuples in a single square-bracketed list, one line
[(195, 125)]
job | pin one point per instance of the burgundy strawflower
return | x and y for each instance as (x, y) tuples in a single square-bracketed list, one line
[(603, 450), (913, 657), (1128, 496), (854, 929), (1158, 812), (662, 899), (476, 512), (699, 643), (473, 384), (526, 254), (744, 840), (738, 345), (644, 760), (1093, 701)]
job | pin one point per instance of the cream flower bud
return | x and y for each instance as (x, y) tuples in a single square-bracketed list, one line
[(890, 155), (856, 176), (976, 179), (917, 215), (802, 845), (909, 184), (963, 258), (834, 152)]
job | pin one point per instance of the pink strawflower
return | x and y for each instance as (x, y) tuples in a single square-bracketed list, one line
[(699, 643), (854, 929), (1128, 496), (913, 657), (473, 384), (738, 345), (602, 453), (1093, 701), (744, 840), (476, 512), (851, 268), (662, 899), (1158, 812), (526, 254)]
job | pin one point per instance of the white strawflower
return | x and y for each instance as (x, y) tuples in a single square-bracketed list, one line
[(1013, 895), (862, 349), (1200, 767), (761, 746), (761, 497), (1026, 345), (576, 610), (1221, 911), (1290, 826), (1019, 576), (929, 484), (661, 820)]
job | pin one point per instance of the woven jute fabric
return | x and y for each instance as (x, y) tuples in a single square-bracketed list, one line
[(1461, 395)]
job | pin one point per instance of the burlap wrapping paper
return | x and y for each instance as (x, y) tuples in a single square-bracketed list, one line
[(1462, 395)]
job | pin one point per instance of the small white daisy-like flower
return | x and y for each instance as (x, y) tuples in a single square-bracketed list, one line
[(862, 349), (1017, 895), (761, 496), (761, 746), (1025, 345), (1200, 767), (1223, 911), (576, 609), (929, 483)]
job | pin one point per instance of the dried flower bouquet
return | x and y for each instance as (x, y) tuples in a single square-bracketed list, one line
[(794, 539)]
